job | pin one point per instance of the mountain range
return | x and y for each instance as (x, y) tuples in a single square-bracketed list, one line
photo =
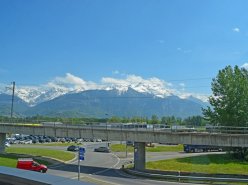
[(112, 101)]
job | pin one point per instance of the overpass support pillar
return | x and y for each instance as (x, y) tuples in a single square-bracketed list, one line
[(139, 156), (2, 142)]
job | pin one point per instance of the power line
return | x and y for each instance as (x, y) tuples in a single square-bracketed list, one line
[(12, 103)]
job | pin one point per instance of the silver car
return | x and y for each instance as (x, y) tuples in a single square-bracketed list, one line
[(102, 149)]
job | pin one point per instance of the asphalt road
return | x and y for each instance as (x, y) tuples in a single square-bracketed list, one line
[(104, 168)]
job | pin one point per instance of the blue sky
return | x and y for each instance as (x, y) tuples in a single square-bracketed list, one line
[(175, 41)]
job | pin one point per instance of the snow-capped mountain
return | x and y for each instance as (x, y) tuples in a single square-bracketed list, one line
[(71, 96), (70, 84), (96, 103), (35, 95), (142, 88)]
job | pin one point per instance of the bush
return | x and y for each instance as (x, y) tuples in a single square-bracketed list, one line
[(239, 153)]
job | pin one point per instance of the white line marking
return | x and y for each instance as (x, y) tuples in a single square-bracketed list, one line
[(112, 167), (95, 179)]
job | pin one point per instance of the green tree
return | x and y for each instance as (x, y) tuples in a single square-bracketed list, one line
[(229, 100), (194, 121), (154, 119), (164, 120)]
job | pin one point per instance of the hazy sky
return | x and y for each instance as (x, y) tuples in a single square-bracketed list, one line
[(182, 42)]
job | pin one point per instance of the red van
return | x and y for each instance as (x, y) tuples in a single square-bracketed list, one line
[(30, 164)]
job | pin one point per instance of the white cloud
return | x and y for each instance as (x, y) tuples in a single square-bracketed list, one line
[(151, 85), (71, 79), (72, 83), (184, 50), (245, 65), (182, 84), (236, 30), (161, 41), (116, 72)]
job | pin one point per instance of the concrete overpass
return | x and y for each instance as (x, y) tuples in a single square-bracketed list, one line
[(139, 136)]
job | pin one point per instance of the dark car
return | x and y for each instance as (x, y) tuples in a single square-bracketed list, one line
[(72, 148), (102, 149)]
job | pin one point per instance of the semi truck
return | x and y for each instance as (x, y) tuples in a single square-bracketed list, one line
[(201, 148)]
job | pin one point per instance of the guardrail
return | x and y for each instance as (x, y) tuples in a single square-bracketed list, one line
[(227, 129), (141, 127), (180, 177)]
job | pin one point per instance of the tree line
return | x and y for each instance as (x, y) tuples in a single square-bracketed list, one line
[(165, 120)]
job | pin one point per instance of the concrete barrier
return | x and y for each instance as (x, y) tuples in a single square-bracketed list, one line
[(13, 176)]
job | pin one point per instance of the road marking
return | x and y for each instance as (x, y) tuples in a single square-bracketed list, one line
[(110, 168), (95, 180)]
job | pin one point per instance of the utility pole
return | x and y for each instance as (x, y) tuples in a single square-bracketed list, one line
[(12, 103)]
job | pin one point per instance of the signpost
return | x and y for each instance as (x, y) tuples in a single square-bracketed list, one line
[(81, 153)]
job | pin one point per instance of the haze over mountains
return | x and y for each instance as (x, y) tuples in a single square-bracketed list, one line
[(99, 103), (71, 96)]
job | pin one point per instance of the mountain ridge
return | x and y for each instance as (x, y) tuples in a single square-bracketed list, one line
[(99, 103)]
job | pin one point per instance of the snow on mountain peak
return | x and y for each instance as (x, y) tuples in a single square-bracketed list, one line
[(73, 84), (152, 85)]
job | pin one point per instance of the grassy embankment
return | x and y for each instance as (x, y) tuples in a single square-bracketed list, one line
[(209, 164), (10, 158), (169, 148)]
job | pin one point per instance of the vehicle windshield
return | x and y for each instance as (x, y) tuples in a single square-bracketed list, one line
[(35, 164)]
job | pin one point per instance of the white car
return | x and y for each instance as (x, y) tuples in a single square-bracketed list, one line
[(7, 144), (28, 142), (98, 140)]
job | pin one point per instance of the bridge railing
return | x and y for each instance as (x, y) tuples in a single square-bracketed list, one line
[(136, 127)]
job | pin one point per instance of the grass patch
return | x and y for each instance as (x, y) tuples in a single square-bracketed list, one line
[(172, 148), (11, 160), (56, 154), (122, 148), (209, 164)]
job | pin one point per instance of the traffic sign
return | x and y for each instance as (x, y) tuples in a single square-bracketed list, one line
[(81, 153), (81, 150)]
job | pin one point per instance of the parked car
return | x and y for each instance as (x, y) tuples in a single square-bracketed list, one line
[(7, 144), (30, 164), (35, 141), (28, 142), (98, 140), (72, 148), (102, 149), (129, 143)]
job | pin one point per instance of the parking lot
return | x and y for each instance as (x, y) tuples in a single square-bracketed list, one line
[(31, 139)]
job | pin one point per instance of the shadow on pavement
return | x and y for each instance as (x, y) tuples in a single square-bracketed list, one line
[(110, 172)]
